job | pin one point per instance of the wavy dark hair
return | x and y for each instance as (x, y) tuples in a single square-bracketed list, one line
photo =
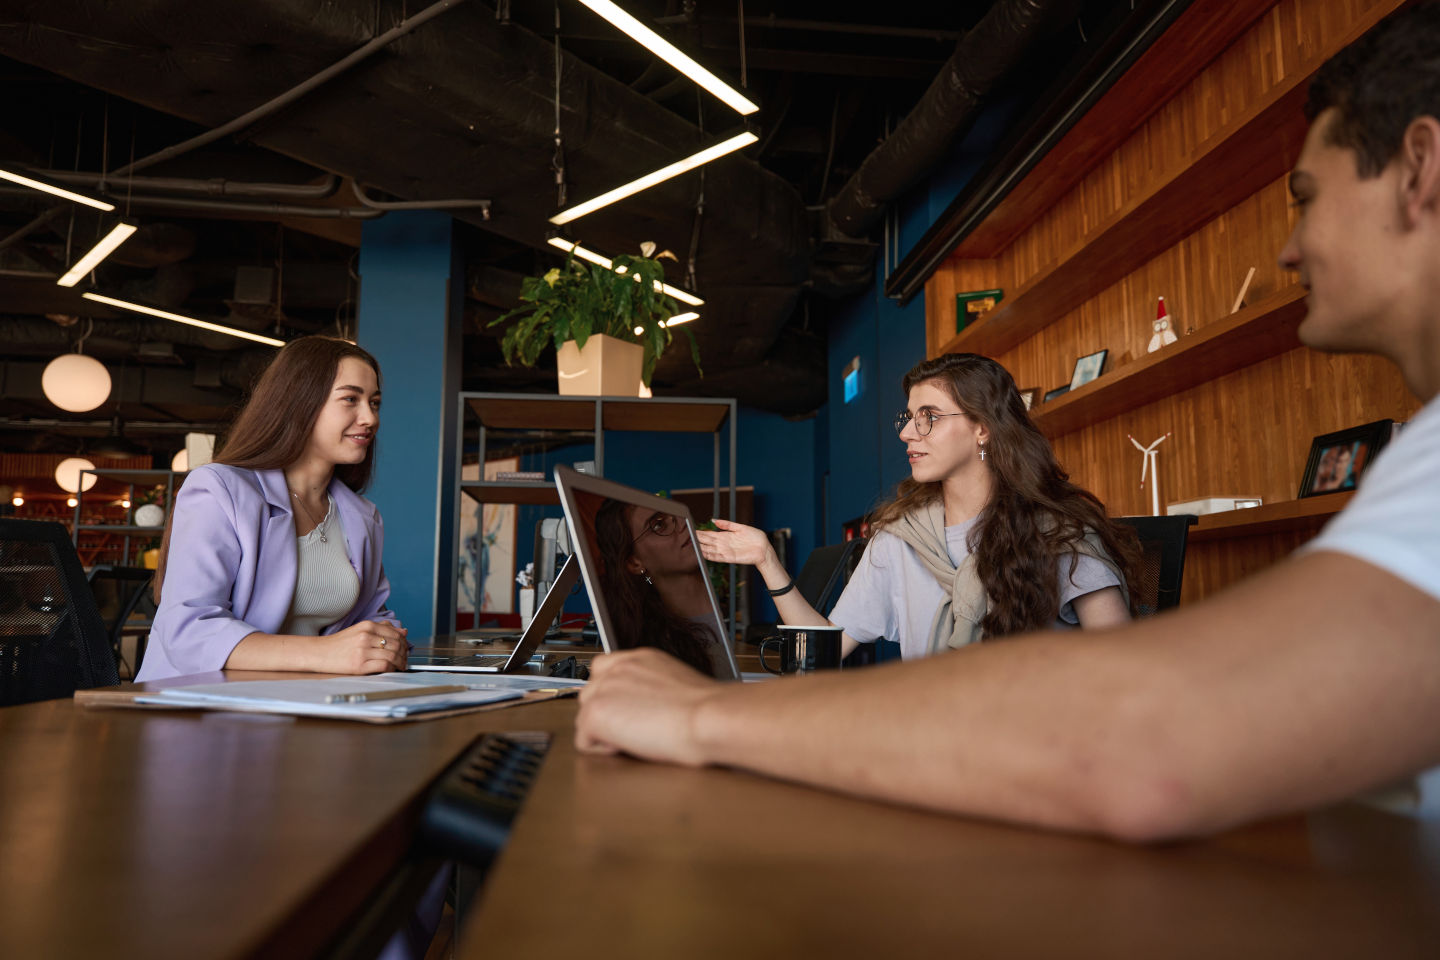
[(1035, 515), (636, 611), (274, 427)]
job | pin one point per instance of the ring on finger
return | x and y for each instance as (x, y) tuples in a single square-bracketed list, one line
[(382, 641)]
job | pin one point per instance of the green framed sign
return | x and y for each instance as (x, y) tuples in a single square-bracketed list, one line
[(970, 305)]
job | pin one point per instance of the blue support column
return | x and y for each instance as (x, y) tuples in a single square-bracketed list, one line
[(411, 305)]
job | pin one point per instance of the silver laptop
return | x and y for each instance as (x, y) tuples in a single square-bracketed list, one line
[(530, 640), (643, 569)]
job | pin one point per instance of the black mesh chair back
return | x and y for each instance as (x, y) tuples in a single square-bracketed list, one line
[(826, 572), (1156, 586), (52, 641), (118, 591)]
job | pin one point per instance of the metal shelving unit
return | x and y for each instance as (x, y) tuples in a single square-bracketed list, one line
[(587, 417), (133, 479)]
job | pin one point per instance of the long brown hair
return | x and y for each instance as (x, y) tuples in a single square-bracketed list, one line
[(1035, 515), (274, 427), (636, 610)]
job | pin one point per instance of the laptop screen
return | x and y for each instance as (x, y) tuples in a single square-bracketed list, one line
[(643, 570)]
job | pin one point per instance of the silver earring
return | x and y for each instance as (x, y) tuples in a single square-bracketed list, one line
[(646, 575), (982, 451)]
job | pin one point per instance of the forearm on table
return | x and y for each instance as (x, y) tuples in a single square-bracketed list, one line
[(274, 651), (1258, 702)]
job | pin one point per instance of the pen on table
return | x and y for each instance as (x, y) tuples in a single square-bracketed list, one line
[(395, 694)]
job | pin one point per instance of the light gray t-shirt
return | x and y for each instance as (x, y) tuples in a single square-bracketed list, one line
[(893, 596)]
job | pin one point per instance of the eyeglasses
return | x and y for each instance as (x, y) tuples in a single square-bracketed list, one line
[(662, 525), (923, 423)]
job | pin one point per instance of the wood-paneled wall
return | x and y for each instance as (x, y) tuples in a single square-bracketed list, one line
[(1247, 433)]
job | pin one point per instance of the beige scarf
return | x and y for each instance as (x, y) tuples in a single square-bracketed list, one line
[(957, 621)]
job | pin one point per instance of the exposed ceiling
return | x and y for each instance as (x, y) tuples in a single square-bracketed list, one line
[(463, 108)]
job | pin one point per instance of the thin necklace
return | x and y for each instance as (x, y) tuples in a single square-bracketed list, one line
[(318, 526)]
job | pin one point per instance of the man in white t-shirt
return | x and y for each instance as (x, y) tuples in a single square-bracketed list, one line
[(1312, 682)]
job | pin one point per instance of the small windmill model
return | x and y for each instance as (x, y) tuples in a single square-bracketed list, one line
[(1150, 467)]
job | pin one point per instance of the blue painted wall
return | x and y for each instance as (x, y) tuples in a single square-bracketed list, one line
[(409, 318)]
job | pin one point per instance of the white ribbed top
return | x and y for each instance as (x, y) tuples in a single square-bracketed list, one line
[(326, 586)]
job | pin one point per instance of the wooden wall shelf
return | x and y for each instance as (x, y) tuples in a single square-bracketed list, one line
[(1270, 518), (1256, 149), (491, 491), (1263, 330)]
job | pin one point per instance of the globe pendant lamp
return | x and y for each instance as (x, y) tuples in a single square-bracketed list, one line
[(67, 474), (75, 382)]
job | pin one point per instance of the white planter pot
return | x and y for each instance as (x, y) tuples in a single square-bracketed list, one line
[(607, 367)]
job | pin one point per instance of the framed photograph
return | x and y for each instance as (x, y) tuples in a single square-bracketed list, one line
[(1028, 396), (1338, 459), (1088, 368), (1057, 392)]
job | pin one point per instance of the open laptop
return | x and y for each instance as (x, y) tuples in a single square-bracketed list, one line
[(642, 567), (530, 640)]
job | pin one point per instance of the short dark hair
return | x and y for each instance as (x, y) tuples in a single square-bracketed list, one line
[(1379, 84)]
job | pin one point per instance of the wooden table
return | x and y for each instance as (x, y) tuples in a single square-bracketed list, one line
[(214, 835)]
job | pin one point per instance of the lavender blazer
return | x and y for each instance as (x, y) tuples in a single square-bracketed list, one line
[(232, 566)]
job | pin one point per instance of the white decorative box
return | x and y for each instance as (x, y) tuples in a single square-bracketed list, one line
[(1211, 505)]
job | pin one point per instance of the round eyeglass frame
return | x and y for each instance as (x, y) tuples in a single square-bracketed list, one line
[(656, 526), (923, 423)]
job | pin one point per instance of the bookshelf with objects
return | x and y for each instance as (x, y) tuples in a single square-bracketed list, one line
[(549, 420), (1174, 185), (133, 536)]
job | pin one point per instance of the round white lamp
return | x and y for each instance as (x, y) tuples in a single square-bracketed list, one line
[(67, 474), (75, 382), (150, 515), (180, 463)]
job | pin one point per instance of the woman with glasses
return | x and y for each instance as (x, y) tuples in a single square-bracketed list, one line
[(654, 586), (986, 538)]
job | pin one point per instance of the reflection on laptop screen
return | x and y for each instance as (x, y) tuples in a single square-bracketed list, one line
[(644, 573)]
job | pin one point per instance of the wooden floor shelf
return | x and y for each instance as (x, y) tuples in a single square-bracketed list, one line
[(1259, 331), (1269, 518)]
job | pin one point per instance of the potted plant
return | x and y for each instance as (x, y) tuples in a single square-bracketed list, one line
[(608, 326)]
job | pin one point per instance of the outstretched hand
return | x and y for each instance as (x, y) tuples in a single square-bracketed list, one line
[(642, 702), (734, 543)]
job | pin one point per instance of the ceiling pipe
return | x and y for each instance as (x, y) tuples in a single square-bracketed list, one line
[(981, 61), (294, 93), (214, 187), (482, 205)]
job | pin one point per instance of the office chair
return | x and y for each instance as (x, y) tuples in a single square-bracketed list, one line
[(1156, 585), (118, 591), (52, 641)]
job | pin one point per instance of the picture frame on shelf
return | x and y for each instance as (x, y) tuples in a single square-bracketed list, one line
[(1057, 392), (1087, 368), (1338, 460), (970, 305), (1029, 396)]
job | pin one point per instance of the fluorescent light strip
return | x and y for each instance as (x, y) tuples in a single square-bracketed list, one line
[(682, 295), (651, 179), (165, 315), (97, 253), (674, 321), (666, 51), (55, 191)]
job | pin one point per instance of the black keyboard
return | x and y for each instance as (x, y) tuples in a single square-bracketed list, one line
[(470, 810)]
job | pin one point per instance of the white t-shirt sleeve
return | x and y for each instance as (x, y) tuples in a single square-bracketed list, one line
[(1394, 520), (866, 608), (1090, 575)]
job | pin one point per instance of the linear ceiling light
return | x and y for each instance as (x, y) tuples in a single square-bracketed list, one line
[(682, 295), (166, 315), (53, 190), (666, 51), (674, 321), (99, 252), (659, 176)]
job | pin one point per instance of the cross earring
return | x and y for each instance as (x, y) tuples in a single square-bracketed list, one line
[(982, 451), (644, 573)]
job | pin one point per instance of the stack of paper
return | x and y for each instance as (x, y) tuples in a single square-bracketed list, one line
[(395, 695)]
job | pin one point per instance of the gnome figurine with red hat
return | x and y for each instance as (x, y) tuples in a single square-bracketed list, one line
[(1163, 333)]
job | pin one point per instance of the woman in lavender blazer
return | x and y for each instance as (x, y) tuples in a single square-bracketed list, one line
[(248, 576)]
